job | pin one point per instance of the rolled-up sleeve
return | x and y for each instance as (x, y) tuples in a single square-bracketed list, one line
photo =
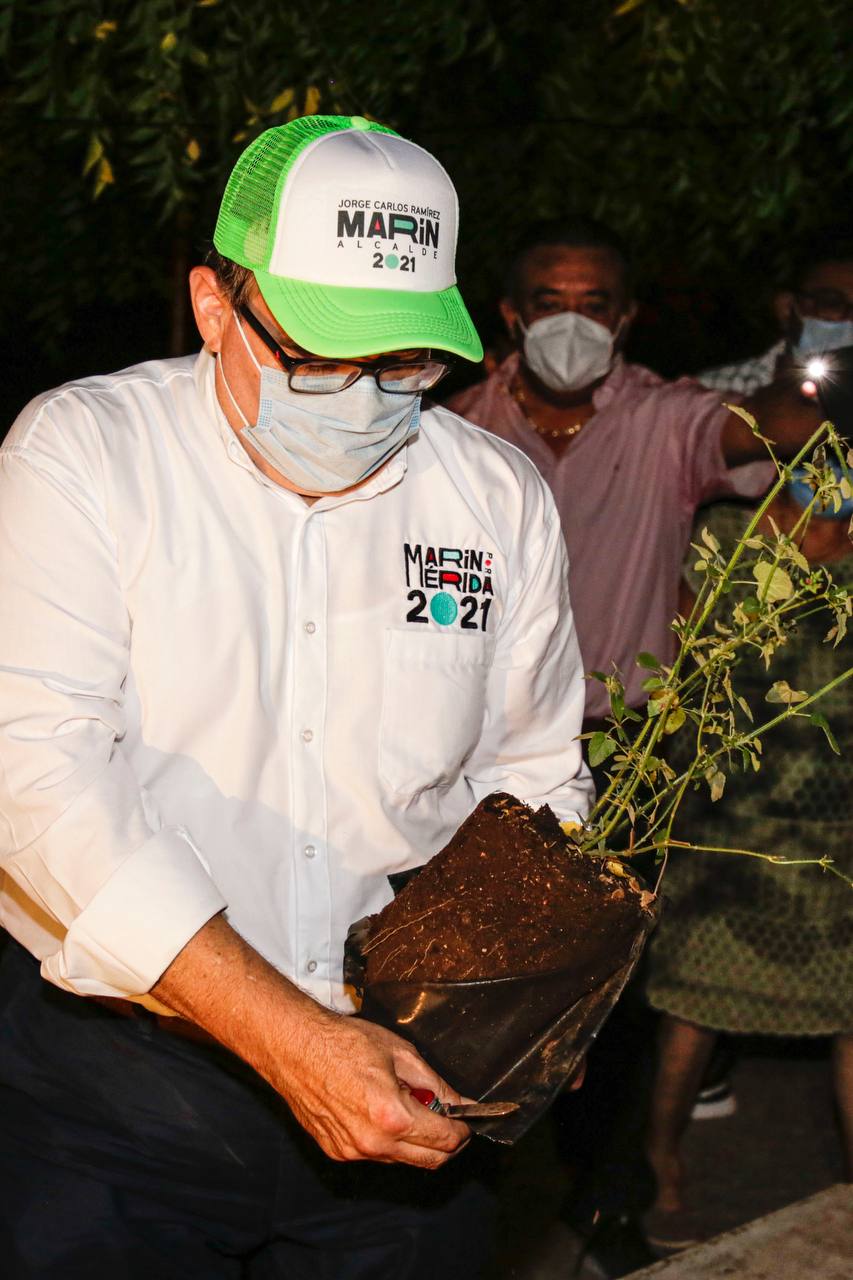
[(84, 860)]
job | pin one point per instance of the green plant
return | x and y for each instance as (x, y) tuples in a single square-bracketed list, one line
[(749, 602)]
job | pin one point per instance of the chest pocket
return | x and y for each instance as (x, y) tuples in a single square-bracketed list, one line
[(432, 706)]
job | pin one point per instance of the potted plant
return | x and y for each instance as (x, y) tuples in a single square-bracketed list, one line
[(501, 959)]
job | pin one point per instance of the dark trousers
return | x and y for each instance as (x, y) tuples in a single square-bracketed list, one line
[(128, 1152), (600, 1130)]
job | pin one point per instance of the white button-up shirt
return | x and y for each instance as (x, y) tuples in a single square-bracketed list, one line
[(213, 695)]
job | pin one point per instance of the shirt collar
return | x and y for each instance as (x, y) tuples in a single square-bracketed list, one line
[(204, 375)]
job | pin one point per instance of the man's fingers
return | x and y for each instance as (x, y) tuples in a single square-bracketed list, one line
[(414, 1072), (420, 1157), (419, 1145), (432, 1128), (407, 1120), (363, 1109), (385, 1125)]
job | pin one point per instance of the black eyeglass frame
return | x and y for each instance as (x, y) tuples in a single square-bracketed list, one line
[(827, 304), (360, 367)]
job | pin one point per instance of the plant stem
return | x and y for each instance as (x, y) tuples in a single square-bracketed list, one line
[(715, 653), (692, 630), (793, 709), (749, 532), (682, 781), (776, 858)]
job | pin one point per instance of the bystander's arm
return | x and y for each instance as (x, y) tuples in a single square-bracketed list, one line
[(340, 1076), (783, 414)]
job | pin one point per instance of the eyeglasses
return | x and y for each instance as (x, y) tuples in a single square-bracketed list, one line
[(826, 304), (316, 376)]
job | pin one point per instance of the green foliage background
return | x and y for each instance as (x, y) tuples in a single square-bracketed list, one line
[(713, 133)]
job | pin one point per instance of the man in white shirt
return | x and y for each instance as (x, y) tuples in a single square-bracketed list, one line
[(271, 633)]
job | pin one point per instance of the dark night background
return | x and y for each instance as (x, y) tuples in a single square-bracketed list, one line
[(715, 135)]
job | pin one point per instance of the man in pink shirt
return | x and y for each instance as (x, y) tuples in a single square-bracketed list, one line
[(628, 456)]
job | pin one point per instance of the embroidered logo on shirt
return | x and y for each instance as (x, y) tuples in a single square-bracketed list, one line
[(448, 584)]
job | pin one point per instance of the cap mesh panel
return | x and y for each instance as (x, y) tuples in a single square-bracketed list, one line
[(245, 228)]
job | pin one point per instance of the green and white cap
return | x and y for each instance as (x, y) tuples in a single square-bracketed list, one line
[(350, 231)]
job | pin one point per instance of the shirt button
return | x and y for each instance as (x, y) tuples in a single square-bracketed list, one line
[(311, 966), (310, 627), (309, 851), (307, 735)]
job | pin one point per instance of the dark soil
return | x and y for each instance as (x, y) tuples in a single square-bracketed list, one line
[(509, 895)]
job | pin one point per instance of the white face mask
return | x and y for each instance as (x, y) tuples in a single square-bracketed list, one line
[(568, 351), (823, 335), (325, 443)]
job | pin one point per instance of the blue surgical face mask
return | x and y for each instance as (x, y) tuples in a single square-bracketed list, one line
[(802, 493), (823, 335), (325, 443)]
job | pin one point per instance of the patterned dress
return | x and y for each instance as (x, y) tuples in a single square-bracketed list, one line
[(745, 946)]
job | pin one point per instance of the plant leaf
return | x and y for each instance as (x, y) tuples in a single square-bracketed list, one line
[(105, 176), (94, 151), (745, 707), (798, 558), (281, 101), (819, 719), (652, 682), (717, 783), (773, 582), (749, 420), (601, 747), (674, 720), (781, 691)]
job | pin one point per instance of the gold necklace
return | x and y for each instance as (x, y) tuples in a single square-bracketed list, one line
[(553, 433)]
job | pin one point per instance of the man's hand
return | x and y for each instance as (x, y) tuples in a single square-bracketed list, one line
[(345, 1080), (352, 1098)]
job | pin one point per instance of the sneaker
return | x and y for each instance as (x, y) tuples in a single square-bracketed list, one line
[(614, 1247), (715, 1101)]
